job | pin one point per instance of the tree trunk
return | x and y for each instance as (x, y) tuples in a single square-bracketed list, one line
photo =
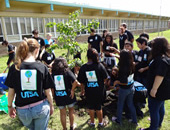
[(68, 55)]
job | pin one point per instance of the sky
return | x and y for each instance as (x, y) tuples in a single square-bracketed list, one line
[(155, 7)]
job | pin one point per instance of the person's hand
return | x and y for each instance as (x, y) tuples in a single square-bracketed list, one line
[(141, 70), (72, 94), (153, 92), (51, 109), (112, 48), (116, 82), (50, 66), (112, 54), (82, 93), (101, 55), (12, 112)]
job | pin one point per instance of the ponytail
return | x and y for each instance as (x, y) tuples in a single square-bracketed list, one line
[(23, 49), (93, 55)]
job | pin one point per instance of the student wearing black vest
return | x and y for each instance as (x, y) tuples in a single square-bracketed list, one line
[(48, 58), (95, 41), (122, 38), (64, 80), (30, 81), (130, 36), (109, 50), (158, 81), (92, 76), (142, 63), (40, 41)]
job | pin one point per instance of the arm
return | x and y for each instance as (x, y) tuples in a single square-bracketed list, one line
[(82, 89), (157, 82), (42, 52), (141, 70), (101, 47), (50, 100), (74, 85), (10, 52), (11, 110), (118, 82), (89, 46)]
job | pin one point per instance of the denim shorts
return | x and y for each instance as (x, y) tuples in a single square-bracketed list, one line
[(35, 118), (69, 106)]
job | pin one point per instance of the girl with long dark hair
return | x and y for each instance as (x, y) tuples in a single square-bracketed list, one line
[(158, 81), (110, 49), (125, 82)]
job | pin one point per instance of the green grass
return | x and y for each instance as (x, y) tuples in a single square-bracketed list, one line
[(7, 123)]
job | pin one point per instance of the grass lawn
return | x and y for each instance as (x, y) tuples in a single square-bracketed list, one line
[(7, 123)]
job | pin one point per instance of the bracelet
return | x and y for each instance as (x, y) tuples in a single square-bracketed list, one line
[(9, 106)]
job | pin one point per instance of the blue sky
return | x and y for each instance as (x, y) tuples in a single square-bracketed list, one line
[(143, 6)]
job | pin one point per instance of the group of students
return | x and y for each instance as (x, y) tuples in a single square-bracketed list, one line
[(141, 66), (34, 86)]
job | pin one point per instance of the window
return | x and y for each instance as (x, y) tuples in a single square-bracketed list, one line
[(8, 26), (146, 24), (23, 26), (35, 23), (132, 25), (47, 20), (155, 24), (40, 24), (28, 24), (139, 25), (15, 26), (151, 25), (111, 25)]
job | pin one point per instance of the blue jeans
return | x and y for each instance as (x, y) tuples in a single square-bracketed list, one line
[(157, 112), (35, 118), (126, 95)]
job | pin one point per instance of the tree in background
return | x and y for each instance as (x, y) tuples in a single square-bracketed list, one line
[(68, 32)]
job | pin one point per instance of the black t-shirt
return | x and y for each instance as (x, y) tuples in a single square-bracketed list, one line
[(143, 61), (160, 66), (29, 83), (126, 78), (92, 76), (135, 55), (40, 41), (11, 48), (63, 85), (94, 41), (48, 57), (122, 39), (107, 49), (129, 35)]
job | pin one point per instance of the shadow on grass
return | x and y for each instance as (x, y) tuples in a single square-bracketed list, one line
[(12, 124)]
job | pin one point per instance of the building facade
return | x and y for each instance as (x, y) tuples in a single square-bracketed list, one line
[(19, 17)]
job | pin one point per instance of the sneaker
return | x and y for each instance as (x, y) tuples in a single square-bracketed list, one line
[(91, 124), (114, 119), (104, 124), (73, 127)]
